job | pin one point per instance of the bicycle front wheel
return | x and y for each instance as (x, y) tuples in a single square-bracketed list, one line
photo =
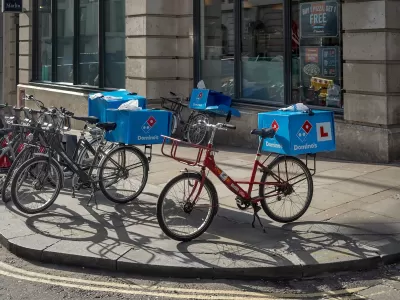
[(23, 156), (196, 129), (290, 200), (123, 174), (182, 213), (36, 185)]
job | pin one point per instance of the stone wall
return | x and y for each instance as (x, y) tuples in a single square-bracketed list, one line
[(9, 59), (371, 56)]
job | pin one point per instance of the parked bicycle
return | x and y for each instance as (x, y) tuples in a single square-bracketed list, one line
[(192, 194), (42, 175), (194, 128)]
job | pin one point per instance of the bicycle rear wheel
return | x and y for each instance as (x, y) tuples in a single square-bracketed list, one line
[(297, 181), (121, 166), (36, 185), (184, 188), (174, 123)]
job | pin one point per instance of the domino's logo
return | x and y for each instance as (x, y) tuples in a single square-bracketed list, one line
[(199, 96), (149, 124), (304, 131), (275, 126)]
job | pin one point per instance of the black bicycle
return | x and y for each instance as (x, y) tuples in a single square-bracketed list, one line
[(194, 129), (36, 184)]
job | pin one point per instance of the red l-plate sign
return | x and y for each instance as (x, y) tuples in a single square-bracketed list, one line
[(324, 132)]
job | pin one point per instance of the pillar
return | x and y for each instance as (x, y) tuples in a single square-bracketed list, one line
[(159, 47), (371, 68)]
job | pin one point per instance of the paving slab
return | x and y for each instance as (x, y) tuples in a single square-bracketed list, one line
[(324, 199), (361, 186), (352, 224), (334, 176)]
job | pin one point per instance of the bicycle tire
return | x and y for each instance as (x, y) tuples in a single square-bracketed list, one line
[(214, 206), (18, 173), (174, 124), (194, 121), (310, 192), (23, 156), (145, 163)]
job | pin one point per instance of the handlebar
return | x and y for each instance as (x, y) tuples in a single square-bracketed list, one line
[(229, 126), (183, 98), (219, 126)]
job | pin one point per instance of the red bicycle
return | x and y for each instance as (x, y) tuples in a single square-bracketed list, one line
[(191, 195)]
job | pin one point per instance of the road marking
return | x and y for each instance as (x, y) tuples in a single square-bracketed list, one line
[(158, 291)]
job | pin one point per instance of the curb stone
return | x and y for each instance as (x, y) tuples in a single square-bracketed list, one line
[(277, 273)]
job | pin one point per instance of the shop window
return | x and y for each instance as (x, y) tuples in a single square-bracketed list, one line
[(252, 51), (115, 44), (44, 33), (65, 41), (262, 50), (82, 45), (316, 53), (217, 45)]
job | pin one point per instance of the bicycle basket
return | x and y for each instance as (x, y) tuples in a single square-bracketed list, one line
[(171, 104), (170, 148)]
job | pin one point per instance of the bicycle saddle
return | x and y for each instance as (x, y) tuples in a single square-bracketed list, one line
[(35, 111), (90, 120), (265, 133), (107, 126), (18, 109), (4, 131)]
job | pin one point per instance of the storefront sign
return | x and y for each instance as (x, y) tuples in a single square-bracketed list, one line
[(13, 6), (319, 19)]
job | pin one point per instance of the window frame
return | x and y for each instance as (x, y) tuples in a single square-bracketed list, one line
[(287, 19), (75, 58)]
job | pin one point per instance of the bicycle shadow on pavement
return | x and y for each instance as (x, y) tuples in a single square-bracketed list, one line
[(230, 241)]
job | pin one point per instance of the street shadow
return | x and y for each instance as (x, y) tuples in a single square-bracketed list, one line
[(230, 242)]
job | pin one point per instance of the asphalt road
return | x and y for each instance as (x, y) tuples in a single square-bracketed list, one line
[(20, 279)]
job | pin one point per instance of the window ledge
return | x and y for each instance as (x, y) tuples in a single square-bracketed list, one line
[(71, 88), (253, 107)]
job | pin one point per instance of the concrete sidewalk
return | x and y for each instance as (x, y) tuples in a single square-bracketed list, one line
[(353, 223)]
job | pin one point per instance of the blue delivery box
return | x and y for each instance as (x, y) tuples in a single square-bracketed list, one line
[(201, 99), (298, 132), (140, 127), (100, 102)]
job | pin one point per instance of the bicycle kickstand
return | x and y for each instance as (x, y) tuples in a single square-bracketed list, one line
[(93, 196), (256, 210), (73, 192)]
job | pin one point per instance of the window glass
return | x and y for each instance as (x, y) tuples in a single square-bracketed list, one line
[(65, 41), (114, 43), (316, 53), (217, 45), (89, 43), (44, 43), (262, 50)]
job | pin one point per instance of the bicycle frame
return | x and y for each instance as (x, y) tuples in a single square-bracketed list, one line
[(234, 186)]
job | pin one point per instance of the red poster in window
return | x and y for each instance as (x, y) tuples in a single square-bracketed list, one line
[(295, 36), (312, 55)]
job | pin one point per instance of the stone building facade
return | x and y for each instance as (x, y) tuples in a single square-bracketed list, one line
[(161, 54)]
